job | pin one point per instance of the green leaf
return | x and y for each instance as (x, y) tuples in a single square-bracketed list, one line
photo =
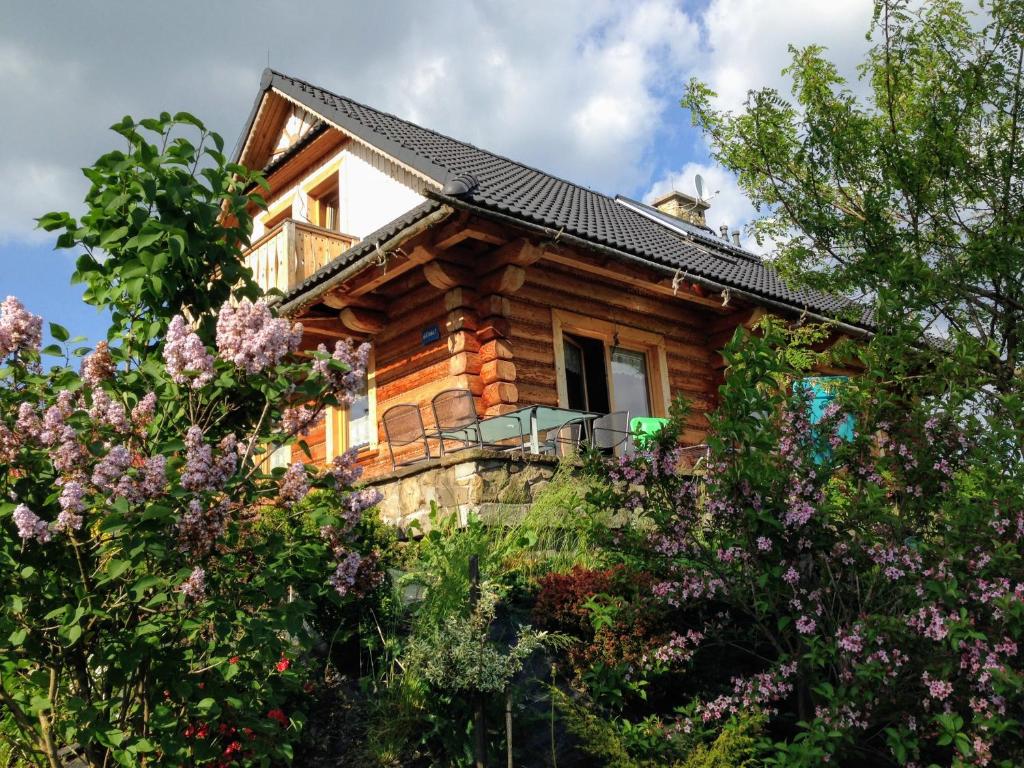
[(59, 332), (18, 637)]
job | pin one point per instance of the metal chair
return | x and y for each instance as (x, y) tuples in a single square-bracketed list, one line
[(566, 440), (455, 418), (403, 425), (611, 433)]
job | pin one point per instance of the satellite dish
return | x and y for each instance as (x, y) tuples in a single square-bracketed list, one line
[(698, 182)]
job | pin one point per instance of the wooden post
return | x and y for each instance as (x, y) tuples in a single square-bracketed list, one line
[(479, 734)]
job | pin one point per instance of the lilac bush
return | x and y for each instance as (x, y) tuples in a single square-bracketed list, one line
[(864, 595), (147, 616)]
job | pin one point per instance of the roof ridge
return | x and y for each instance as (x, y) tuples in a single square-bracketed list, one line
[(444, 136)]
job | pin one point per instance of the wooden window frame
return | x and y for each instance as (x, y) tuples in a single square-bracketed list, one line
[(614, 335), (327, 178), (336, 432), (278, 212)]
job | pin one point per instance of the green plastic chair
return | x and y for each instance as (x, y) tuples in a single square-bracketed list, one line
[(644, 428)]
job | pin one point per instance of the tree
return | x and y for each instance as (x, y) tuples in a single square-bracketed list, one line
[(911, 193), (158, 584)]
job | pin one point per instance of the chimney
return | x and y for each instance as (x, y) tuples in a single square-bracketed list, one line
[(682, 206), (736, 238), (723, 231)]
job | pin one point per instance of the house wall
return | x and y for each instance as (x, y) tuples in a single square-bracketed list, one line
[(409, 371), (690, 359), (372, 189)]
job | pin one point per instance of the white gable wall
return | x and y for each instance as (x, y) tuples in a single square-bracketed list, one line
[(373, 190)]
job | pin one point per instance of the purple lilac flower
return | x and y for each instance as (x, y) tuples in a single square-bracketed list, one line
[(298, 421), (19, 328), (295, 483), (194, 587), (111, 468), (344, 577), (109, 412), (30, 526), (71, 507), (344, 469), (186, 358), (251, 338), (805, 625), (347, 384), (98, 366), (203, 472), (143, 412), (199, 528)]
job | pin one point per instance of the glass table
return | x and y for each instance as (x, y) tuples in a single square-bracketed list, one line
[(530, 421)]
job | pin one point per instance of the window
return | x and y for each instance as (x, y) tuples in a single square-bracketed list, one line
[(324, 202), (604, 367), (629, 382)]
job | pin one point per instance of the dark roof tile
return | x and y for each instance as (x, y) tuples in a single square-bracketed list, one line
[(524, 192)]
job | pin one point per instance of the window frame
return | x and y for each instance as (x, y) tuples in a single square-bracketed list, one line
[(652, 345), (324, 181)]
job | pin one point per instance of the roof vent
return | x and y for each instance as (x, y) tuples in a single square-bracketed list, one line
[(460, 185), (683, 206)]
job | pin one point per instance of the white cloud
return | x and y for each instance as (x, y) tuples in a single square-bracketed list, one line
[(580, 88), (745, 47)]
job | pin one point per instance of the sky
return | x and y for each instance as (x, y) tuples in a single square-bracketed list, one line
[(585, 89)]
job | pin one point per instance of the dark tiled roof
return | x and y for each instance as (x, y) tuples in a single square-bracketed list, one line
[(517, 190), (363, 248)]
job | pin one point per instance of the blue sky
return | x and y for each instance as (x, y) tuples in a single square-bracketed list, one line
[(585, 89)]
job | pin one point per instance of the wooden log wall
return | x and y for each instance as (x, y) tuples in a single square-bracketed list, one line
[(691, 361)]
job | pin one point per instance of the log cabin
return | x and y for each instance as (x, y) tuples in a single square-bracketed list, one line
[(465, 269)]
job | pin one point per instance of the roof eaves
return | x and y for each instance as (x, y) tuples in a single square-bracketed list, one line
[(299, 296), (305, 98)]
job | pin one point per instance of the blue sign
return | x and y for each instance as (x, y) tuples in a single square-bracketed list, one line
[(430, 334)]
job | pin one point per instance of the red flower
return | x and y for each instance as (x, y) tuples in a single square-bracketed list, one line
[(279, 717), (233, 660), (283, 664)]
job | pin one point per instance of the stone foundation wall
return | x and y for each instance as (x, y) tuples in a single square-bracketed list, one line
[(470, 481)]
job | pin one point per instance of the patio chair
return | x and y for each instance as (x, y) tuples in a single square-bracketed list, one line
[(565, 440), (611, 433), (403, 425), (456, 419)]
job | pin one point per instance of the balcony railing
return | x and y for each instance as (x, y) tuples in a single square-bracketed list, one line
[(292, 251)]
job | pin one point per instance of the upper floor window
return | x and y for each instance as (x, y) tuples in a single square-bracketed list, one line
[(324, 202)]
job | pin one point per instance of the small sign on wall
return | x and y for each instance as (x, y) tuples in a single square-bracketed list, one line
[(430, 334)]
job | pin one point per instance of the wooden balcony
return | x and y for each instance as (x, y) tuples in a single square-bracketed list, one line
[(292, 251)]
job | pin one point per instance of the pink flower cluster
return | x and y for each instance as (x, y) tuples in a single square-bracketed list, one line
[(294, 483), (203, 471), (72, 505), (344, 576), (299, 420), (144, 410), (679, 649), (194, 587), (345, 384), (30, 526), (937, 689), (98, 366), (19, 328), (690, 585), (109, 470), (199, 528), (750, 693), (252, 339), (109, 412), (185, 357)]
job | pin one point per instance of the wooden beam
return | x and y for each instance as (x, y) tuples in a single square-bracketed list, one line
[(363, 320), (455, 232), (324, 326), (458, 297), (505, 280), (445, 276), (396, 263), (520, 252), (339, 300), (662, 287)]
